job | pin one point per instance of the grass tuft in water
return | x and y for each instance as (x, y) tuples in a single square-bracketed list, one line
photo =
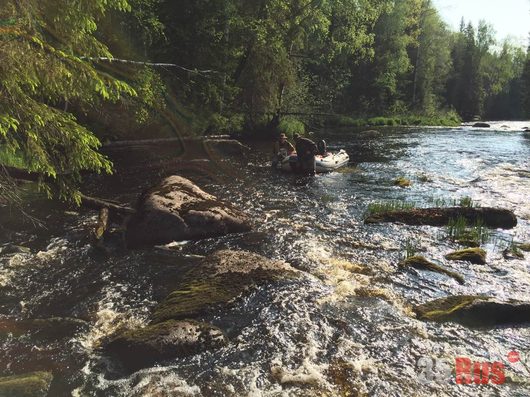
[(378, 207), (410, 249), (465, 202), (473, 235)]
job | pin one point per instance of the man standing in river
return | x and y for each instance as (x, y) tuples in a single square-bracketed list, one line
[(305, 151)]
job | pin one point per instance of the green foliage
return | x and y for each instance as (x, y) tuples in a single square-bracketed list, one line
[(467, 202), (471, 235), (41, 74), (226, 124), (290, 126), (447, 118)]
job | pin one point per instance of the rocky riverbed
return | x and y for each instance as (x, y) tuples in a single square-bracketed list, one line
[(294, 295)]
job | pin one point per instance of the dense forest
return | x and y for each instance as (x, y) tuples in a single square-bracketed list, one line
[(74, 75)]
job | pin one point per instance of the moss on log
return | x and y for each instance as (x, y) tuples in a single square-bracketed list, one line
[(490, 217)]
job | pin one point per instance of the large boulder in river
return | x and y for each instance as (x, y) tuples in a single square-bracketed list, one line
[(219, 279), (213, 283), (142, 348), (33, 384), (475, 311), (178, 210)]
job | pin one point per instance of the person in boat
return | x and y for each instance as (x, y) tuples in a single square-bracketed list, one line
[(322, 148), (306, 150), (282, 148)]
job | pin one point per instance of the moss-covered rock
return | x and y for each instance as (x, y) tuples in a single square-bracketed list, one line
[(475, 311), (419, 262), (142, 348), (524, 247), (473, 255), (34, 384), (219, 279), (490, 217), (402, 182)]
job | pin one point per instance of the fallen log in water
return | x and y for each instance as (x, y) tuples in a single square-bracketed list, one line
[(114, 209), (490, 217)]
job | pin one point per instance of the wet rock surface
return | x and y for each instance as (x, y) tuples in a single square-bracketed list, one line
[(475, 311), (141, 348), (419, 262), (220, 278), (177, 210), (223, 146), (34, 384)]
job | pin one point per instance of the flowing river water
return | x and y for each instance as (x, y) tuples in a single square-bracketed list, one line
[(337, 331)]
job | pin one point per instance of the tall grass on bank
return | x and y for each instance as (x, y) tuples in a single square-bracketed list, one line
[(446, 119)]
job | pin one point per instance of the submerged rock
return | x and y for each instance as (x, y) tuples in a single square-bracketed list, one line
[(178, 210), (524, 247), (144, 347), (369, 134), (473, 255), (219, 279), (419, 262), (512, 253), (491, 217), (475, 311), (481, 125), (223, 146), (402, 182), (33, 384)]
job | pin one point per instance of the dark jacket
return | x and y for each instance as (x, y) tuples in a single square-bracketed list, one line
[(305, 148)]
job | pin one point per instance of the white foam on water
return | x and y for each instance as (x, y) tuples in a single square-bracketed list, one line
[(109, 319)]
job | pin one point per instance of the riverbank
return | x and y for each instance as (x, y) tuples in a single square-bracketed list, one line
[(446, 119)]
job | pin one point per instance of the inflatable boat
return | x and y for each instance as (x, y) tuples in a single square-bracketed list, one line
[(324, 163)]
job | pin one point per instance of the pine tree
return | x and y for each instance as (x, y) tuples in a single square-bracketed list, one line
[(45, 48)]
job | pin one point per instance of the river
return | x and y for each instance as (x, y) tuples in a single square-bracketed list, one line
[(336, 331)]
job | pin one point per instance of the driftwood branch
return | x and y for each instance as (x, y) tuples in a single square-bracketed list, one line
[(153, 64), (115, 209), (97, 204)]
